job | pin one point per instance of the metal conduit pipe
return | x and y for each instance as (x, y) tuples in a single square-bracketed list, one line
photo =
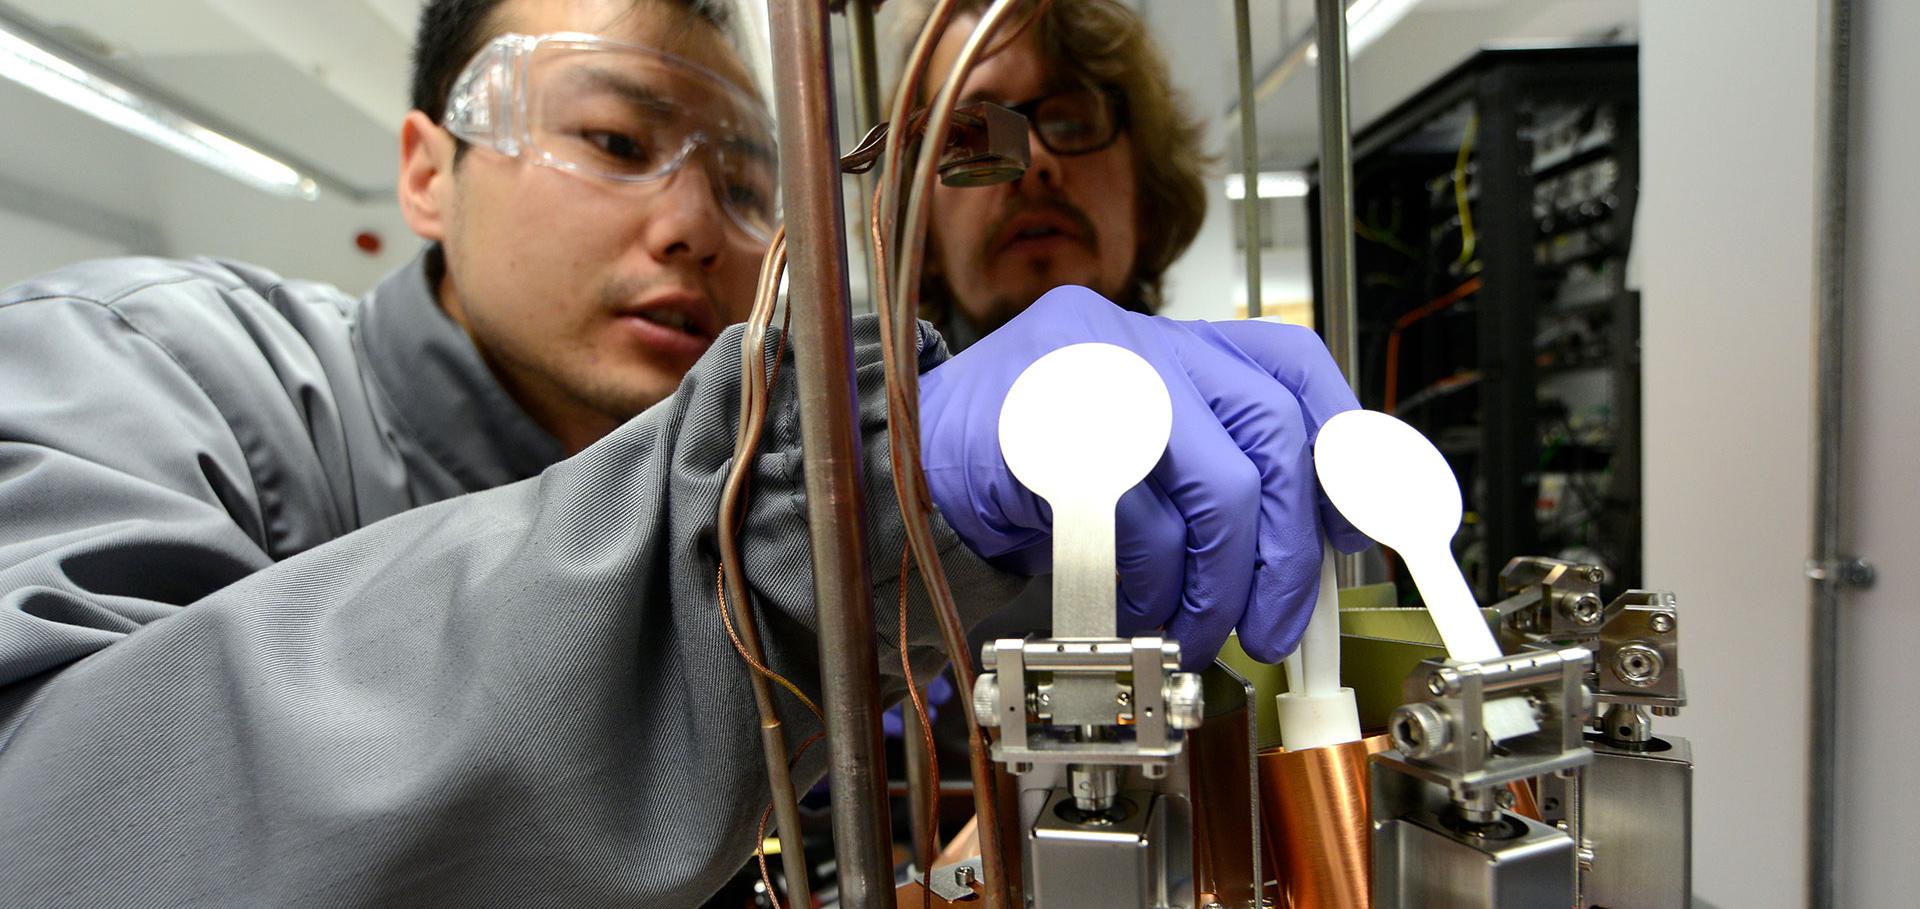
[(1336, 186), (1336, 210), (866, 113), (823, 367), (1831, 570), (1249, 155)]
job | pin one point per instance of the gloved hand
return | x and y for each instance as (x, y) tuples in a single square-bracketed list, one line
[(1225, 531)]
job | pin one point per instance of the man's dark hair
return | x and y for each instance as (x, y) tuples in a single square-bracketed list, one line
[(452, 31)]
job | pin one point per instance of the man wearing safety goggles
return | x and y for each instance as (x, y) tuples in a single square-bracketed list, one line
[(409, 600), (1112, 196), (602, 203)]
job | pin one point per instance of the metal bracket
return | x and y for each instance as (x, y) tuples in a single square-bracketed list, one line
[(1847, 573), (954, 883)]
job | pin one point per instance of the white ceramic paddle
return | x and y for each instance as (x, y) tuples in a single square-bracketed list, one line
[(1315, 711), (1080, 427), (1394, 486)]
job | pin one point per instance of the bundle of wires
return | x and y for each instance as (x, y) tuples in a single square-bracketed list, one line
[(897, 246)]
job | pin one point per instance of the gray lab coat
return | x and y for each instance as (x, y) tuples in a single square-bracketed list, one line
[(297, 608)]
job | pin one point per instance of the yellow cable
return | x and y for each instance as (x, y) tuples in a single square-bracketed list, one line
[(1460, 192)]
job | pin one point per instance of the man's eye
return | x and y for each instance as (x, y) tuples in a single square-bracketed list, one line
[(618, 145), (1069, 126), (746, 198)]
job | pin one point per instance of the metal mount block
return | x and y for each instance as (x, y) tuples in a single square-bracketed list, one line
[(1637, 812), (1447, 731), (1638, 660), (1550, 600), (1420, 863), (1044, 695)]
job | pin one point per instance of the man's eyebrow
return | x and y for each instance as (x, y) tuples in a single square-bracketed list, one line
[(630, 90), (748, 146)]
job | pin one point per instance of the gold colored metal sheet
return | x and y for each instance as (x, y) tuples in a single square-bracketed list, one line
[(1314, 809)]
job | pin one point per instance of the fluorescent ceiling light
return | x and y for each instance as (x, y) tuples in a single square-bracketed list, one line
[(33, 66), (1367, 20), (1271, 184)]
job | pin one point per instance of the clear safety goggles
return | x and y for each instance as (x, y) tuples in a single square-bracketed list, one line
[(623, 113)]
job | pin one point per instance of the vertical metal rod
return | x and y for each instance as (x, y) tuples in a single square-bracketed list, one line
[(1834, 75), (1249, 154), (923, 799), (866, 112), (1336, 185), (823, 366), (1336, 210)]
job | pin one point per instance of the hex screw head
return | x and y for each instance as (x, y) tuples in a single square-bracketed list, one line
[(1638, 665), (1661, 623), (1586, 609), (1419, 730)]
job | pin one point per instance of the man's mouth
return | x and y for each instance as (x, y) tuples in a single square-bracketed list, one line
[(1045, 226), (683, 313), (671, 318)]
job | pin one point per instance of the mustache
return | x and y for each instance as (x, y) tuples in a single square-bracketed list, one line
[(1055, 204), (617, 294)]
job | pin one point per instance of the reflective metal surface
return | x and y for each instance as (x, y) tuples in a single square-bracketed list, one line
[(1834, 72), (1122, 862), (1228, 864), (1639, 817), (1249, 154), (1314, 804), (1336, 190), (1422, 863)]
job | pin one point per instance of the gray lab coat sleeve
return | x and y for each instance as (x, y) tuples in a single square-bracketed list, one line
[(519, 697)]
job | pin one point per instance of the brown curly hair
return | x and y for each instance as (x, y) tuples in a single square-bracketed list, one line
[(1104, 43)]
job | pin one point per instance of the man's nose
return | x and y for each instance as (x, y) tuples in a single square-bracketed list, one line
[(1043, 166), (686, 221)]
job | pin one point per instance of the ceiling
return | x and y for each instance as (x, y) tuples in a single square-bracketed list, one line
[(325, 83)]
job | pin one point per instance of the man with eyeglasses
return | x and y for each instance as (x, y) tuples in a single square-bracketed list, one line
[(1113, 194), (409, 600)]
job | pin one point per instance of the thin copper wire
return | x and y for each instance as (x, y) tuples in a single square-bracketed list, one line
[(755, 385), (899, 349), (1314, 804)]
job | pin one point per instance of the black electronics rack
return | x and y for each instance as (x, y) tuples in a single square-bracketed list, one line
[(1493, 312)]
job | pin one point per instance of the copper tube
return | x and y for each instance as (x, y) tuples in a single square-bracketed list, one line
[(1524, 804), (1314, 805), (823, 368)]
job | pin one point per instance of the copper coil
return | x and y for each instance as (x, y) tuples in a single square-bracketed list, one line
[(1313, 807), (1524, 803)]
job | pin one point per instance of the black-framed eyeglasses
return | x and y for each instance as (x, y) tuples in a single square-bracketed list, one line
[(1079, 120)]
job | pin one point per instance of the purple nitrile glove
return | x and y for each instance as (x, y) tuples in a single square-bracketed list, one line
[(1224, 532)]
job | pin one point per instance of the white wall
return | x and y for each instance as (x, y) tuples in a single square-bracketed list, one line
[(1879, 823), (1726, 253), (29, 246), (1210, 280), (205, 213)]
